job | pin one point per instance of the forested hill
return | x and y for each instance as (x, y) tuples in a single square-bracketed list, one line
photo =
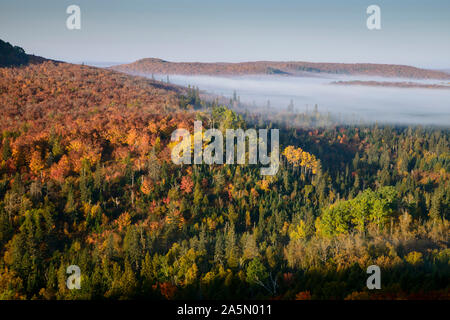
[(158, 66), (91, 113), (13, 56)]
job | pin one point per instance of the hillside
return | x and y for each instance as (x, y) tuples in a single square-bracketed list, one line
[(158, 66), (90, 108)]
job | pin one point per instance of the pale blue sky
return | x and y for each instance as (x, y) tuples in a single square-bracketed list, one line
[(413, 32)]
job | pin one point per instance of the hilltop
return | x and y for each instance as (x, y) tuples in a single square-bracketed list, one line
[(294, 68)]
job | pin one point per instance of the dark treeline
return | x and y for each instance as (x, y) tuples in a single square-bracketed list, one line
[(12, 55)]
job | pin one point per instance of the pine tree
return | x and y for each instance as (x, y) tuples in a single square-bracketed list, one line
[(219, 250), (436, 205)]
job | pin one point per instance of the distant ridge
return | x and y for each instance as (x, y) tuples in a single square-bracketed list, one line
[(392, 84), (293, 68)]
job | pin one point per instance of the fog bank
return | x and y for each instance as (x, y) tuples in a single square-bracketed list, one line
[(370, 104)]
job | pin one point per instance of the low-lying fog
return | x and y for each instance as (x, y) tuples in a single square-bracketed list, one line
[(369, 104)]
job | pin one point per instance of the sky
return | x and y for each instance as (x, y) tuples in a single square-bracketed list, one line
[(412, 32)]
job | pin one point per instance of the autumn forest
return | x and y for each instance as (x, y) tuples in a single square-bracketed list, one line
[(86, 179)]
